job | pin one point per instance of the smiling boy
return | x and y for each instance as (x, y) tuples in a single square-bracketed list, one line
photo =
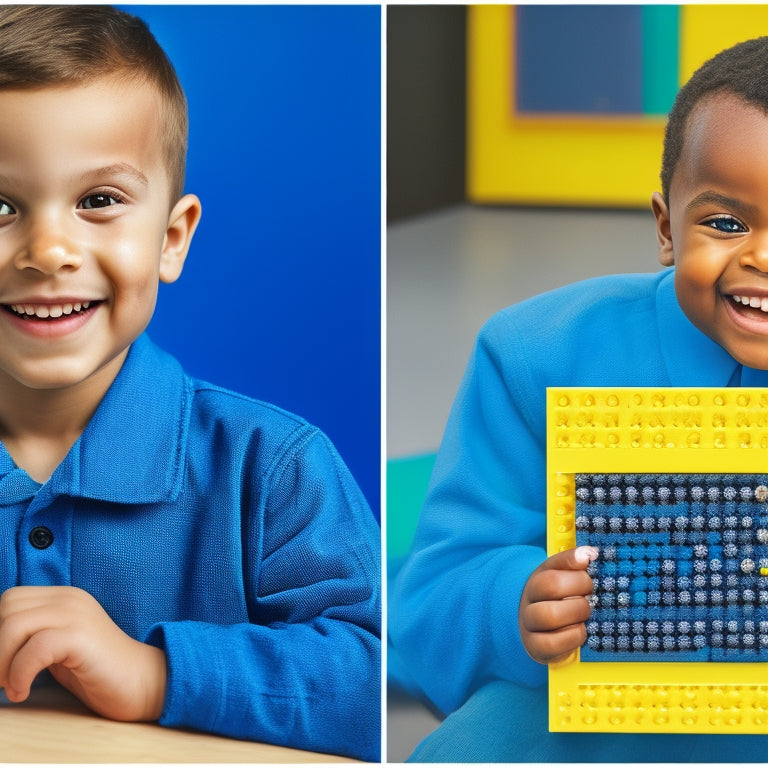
[(478, 595), (172, 551)]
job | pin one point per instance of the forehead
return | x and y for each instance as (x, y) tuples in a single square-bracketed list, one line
[(66, 128), (726, 142)]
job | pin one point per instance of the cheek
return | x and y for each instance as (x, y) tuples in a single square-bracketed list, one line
[(132, 265)]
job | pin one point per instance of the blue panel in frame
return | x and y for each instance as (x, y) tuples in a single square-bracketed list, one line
[(579, 60)]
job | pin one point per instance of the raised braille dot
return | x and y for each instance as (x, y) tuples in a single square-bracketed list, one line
[(761, 493), (747, 565)]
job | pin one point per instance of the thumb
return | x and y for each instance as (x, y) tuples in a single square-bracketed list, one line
[(576, 559)]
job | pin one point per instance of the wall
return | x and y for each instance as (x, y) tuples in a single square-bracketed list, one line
[(280, 297), (426, 108), (590, 157)]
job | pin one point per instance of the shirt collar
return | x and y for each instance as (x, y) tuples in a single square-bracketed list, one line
[(133, 449)]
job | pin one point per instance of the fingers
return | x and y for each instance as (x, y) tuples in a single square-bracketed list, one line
[(554, 606), (549, 647), (32, 633), (39, 652), (555, 614), (574, 559), (562, 575)]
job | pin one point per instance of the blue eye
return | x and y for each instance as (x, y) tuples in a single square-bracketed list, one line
[(99, 200), (726, 224), (6, 209)]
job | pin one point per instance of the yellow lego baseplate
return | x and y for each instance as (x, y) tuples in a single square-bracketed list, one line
[(671, 485)]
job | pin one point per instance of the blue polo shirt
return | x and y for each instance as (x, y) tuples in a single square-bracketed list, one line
[(230, 534)]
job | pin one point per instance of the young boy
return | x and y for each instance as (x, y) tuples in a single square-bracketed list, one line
[(479, 609), (172, 551)]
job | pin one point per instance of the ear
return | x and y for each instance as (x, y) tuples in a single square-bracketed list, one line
[(182, 223), (663, 230)]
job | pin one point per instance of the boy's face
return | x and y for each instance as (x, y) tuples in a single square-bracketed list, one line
[(715, 229), (86, 228)]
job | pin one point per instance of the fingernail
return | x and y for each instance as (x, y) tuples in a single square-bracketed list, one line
[(586, 554)]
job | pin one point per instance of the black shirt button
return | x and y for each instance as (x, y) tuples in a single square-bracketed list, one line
[(41, 537)]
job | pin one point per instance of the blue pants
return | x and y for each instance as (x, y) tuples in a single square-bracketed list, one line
[(505, 723)]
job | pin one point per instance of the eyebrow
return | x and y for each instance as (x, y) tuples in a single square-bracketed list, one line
[(118, 169), (711, 197)]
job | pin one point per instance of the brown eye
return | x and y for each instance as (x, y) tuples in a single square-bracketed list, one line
[(98, 201), (6, 209)]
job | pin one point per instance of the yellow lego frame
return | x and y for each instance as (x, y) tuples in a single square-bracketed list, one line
[(653, 430)]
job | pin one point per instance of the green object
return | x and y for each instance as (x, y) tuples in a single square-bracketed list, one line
[(407, 482), (661, 57)]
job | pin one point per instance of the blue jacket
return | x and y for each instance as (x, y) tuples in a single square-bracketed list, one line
[(227, 532), (453, 608)]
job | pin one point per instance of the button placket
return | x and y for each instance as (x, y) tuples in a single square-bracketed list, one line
[(45, 542)]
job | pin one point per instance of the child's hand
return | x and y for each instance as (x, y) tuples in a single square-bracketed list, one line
[(554, 605), (65, 630)]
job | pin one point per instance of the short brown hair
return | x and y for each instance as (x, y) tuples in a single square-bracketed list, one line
[(42, 45)]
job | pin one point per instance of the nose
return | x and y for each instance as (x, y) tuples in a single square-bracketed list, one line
[(755, 255), (47, 249)]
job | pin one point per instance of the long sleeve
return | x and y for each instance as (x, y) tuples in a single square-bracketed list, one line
[(453, 607), (305, 670), (453, 610)]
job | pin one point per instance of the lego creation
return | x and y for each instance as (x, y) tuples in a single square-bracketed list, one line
[(671, 486)]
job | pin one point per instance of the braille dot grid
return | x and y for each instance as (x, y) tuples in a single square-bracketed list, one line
[(682, 571)]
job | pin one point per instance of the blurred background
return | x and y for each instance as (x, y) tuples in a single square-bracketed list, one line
[(280, 295), (523, 147)]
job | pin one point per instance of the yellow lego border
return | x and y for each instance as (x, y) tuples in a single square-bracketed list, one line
[(662, 430)]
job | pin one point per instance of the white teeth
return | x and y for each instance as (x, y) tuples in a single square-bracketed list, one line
[(43, 311)]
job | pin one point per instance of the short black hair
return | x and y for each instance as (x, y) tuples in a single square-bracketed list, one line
[(741, 70)]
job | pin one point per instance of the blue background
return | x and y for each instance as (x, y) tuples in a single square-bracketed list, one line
[(280, 296)]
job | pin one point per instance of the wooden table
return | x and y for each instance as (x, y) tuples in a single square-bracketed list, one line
[(54, 727)]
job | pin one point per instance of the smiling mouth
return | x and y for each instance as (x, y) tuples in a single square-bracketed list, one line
[(759, 303), (49, 311)]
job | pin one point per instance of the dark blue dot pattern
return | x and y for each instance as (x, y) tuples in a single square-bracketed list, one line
[(682, 573)]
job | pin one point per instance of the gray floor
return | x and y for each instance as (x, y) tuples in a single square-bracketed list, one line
[(446, 273)]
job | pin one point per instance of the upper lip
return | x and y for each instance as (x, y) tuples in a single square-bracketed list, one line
[(48, 308), (48, 301)]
